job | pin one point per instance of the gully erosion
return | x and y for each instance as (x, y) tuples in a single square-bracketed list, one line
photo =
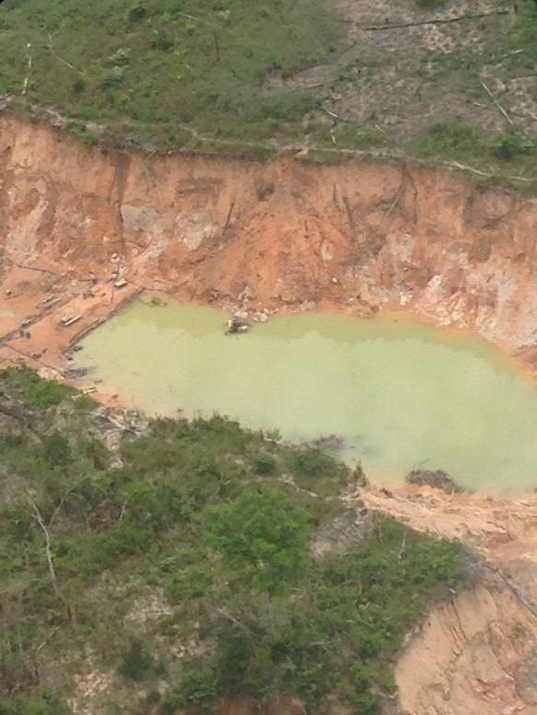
[(83, 230)]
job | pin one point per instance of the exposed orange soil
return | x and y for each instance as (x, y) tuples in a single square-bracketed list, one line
[(282, 235), (476, 654)]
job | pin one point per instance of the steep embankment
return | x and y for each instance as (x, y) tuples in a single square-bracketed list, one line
[(282, 234), (289, 235), (475, 655)]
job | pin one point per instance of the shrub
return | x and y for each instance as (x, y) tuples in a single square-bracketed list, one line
[(98, 453), (34, 706), (87, 137), (369, 137), (311, 463), (124, 538), (57, 451), (262, 536), (430, 4), (136, 662), (113, 77), (189, 584), (448, 136), (317, 471), (37, 392), (511, 144), (161, 40), (159, 505), (366, 704), (264, 463), (120, 57), (136, 13), (79, 86), (87, 554), (244, 662), (198, 690), (524, 34)]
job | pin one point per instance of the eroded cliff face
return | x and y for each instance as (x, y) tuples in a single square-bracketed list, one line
[(476, 655), (283, 234)]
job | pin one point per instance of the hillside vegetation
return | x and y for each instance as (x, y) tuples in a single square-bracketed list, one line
[(446, 81), (182, 564), (162, 67)]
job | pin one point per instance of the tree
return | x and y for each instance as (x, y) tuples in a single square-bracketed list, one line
[(57, 451), (262, 536), (136, 662)]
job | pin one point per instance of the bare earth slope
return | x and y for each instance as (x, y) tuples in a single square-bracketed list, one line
[(477, 654), (279, 235)]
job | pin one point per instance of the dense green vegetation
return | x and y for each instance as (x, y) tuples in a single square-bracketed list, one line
[(211, 521)]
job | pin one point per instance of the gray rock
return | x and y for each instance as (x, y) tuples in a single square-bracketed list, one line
[(344, 533), (438, 479)]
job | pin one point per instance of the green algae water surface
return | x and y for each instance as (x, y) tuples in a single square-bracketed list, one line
[(401, 394)]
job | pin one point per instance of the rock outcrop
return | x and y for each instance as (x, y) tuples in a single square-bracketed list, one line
[(438, 479)]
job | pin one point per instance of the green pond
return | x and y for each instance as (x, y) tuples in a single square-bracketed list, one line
[(400, 394)]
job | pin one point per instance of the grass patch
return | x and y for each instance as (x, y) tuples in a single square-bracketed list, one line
[(34, 706), (451, 138), (524, 35), (26, 384), (504, 156), (430, 4), (198, 63)]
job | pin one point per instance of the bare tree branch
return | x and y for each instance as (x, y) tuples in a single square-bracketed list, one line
[(233, 619), (32, 268), (48, 551), (465, 167), (60, 59), (496, 103), (403, 545), (528, 605), (27, 78), (63, 499), (44, 643), (439, 21)]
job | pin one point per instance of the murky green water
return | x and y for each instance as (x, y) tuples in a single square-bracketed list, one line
[(400, 393)]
